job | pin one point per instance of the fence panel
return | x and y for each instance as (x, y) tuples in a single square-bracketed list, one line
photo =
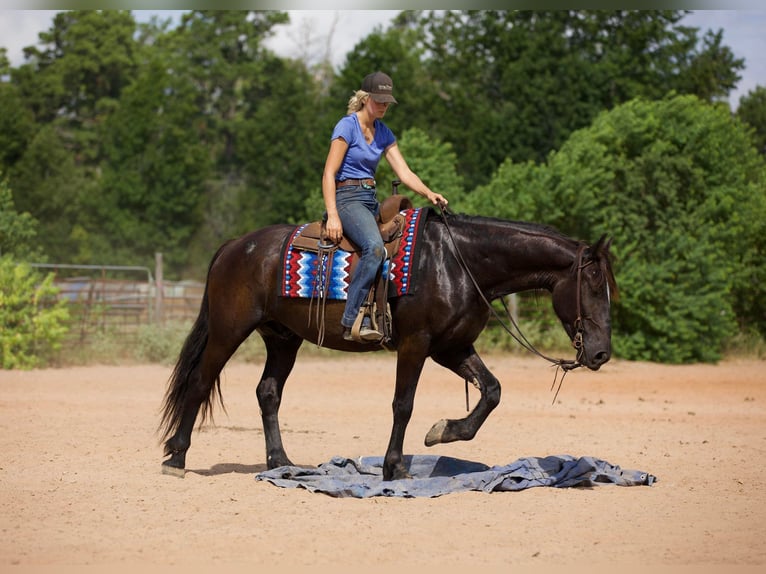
[(120, 299)]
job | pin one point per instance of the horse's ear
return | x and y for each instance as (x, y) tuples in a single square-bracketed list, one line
[(608, 243), (601, 246), (601, 251)]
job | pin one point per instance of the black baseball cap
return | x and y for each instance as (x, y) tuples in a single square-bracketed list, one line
[(380, 86)]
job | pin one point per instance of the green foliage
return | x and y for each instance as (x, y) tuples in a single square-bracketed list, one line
[(161, 344), (679, 186), (48, 184), (539, 326), (752, 111), (86, 58), (17, 230), (155, 171), (32, 322), (517, 191), (16, 125), (514, 84), (434, 161), (282, 146), (122, 140), (712, 72)]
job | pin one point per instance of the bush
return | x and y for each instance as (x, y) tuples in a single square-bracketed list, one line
[(160, 343), (18, 231), (679, 186), (32, 322)]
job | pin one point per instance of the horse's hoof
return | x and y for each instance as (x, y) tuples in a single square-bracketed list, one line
[(436, 434), (173, 471), (399, 473)]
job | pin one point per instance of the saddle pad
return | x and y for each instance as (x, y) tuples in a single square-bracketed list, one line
[(301, 277)]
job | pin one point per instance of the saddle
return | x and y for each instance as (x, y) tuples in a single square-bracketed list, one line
[(391, 223), (313, 237)]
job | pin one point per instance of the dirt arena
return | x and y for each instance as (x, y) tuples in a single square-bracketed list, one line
[(80, 480)]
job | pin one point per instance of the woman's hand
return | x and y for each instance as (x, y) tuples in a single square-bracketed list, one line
[(409, 178), (437, 199), (334, 228)]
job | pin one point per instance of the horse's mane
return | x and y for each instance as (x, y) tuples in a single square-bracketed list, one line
[(530, 228), (527, 227)]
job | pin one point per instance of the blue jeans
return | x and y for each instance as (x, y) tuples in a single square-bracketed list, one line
[(358, 208)]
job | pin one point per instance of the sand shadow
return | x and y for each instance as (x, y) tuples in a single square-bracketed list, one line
[(237, 468), (229, 468)]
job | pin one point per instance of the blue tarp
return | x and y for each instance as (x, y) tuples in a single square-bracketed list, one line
[(437, 475)]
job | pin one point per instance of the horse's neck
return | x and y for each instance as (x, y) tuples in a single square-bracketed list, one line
[(509, 257)]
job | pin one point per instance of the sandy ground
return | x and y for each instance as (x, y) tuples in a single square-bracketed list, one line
[(80, 480)]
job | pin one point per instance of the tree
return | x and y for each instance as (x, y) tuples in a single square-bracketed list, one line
[(680, 187), (282, 147), (155, 171), (710, 74), (18, 231), (71, 83), (49, 185), (177, 143), (16, 125), (86, 59), (752, 111), (515, 84)]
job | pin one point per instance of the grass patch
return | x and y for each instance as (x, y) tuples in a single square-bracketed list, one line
[(162, 345)]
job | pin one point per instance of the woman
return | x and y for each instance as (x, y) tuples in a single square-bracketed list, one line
[(348, 186)]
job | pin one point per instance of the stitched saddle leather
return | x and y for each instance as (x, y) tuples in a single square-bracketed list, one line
[(390, 223)]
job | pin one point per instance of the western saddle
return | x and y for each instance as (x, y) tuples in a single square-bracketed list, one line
[(313, 237)]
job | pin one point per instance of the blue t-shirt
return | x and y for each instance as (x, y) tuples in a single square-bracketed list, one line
[(361, 159)]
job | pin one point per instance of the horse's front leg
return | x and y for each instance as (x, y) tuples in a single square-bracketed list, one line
[(470, 367), (409, 365)]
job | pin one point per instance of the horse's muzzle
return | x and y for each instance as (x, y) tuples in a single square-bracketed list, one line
[(594, 361)]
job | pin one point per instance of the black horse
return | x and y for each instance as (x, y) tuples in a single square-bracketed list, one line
[(464, 262)]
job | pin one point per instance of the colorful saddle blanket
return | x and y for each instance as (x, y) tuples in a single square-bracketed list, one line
[(304, 272)]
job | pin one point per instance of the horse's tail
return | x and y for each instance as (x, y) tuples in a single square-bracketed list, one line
[(188, 361)]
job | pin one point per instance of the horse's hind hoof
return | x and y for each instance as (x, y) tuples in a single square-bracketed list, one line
[(173, 471)]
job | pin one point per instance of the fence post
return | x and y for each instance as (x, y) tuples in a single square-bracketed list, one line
[(159, 290), (514, 307)]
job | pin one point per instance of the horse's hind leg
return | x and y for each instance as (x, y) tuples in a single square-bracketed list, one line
[(470, 367), (197, 389), (281, 350)]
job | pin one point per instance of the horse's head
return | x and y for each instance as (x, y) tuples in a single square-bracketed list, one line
[(582, 302)]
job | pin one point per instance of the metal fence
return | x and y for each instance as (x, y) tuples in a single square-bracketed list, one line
[(120, 299)]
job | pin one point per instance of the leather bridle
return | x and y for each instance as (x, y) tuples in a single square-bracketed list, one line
[(565, 365), (577, 339)]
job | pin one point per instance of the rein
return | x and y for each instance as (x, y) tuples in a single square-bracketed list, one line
[(565, 365)]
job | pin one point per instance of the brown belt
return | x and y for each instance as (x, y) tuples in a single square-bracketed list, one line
[(367, 182)]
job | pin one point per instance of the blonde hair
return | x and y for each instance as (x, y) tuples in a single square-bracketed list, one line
[(357, 101)]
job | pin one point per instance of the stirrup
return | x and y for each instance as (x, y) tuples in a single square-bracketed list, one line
[(365, 328)]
